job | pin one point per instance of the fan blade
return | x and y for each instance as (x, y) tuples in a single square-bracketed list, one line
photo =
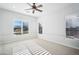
[(39, 6), (39, 10), (28, 9), (33, 11), (29, 4)]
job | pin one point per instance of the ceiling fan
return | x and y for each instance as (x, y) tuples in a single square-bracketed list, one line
[(34, 7)]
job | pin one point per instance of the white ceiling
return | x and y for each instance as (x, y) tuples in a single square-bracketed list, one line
[(19, 7)]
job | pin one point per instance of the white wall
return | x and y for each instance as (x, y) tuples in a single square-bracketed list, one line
[(0, 28), (0, 34), (8, 18), (53, 22), (0, 49)]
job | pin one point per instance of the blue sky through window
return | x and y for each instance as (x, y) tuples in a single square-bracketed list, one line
[(17, 23)]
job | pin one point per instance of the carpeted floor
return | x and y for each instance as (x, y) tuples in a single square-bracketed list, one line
[(57, 49), (38, 47), (31, 48)]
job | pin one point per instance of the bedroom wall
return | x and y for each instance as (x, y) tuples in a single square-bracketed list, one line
[(0, 28), (53, 22), (0, 34), (8, 18), (0, 49)]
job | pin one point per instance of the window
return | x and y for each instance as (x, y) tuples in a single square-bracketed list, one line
[(25, 27), (40, 28), (20, 27), (72, 27)]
